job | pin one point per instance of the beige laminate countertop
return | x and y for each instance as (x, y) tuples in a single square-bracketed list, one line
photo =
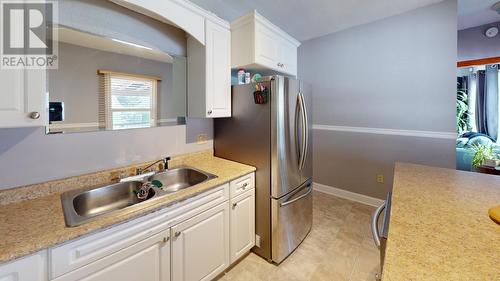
[(439, 227), (32, 225)]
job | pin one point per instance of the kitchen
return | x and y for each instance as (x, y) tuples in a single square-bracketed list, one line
[(207, 140)]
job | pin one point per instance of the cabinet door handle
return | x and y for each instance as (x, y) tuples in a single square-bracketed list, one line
[(209, 112), (245, 186), (177, 234), (165, 239), (234, 205), (34, 115)]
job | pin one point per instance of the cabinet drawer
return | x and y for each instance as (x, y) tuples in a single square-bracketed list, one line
[(30, 268), (147, 260), (78, 253), (240, 185)]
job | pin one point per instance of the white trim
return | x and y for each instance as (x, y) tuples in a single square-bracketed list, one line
[(255, 16), (73, 125), (382, 131), (169, 120), (356, 197)]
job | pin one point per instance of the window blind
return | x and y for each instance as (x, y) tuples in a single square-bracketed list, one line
[(128, 101)]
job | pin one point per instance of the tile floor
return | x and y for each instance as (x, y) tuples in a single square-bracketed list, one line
[(339, 247)]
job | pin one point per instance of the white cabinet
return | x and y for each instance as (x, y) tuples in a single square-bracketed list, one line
[(287, 57), (195, 239), (242, 219), (22, 98), (209, 72), (259, 44), (31, 268), (147, 260), (241, 185), (200, 245)]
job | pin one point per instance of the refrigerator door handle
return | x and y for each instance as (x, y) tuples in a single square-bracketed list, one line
[(298, 198), (296, 125), (374, 224), (305, 130)]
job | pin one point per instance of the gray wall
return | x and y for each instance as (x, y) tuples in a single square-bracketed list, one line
[(29, 156), (76, 81), (397, 73), (473, 44)]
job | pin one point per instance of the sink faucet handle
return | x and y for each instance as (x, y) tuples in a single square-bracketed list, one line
[(165, 162)]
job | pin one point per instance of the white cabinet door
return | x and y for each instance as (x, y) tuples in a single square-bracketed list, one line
[(266, 47), (287, 58), (22, 98), (200, 245), (148, 260), (31, 268), (218, 59), (209, 73), (242, 221), (259, 44)]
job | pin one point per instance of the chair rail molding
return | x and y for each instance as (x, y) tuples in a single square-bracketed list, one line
[(383, 131)]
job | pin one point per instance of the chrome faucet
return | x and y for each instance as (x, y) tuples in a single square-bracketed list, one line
[(140, 171)]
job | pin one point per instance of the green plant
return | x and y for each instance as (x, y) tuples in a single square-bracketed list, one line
[(462, 112), (483, 153)]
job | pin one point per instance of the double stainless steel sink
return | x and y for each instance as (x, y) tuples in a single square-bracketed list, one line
[(83, 205)]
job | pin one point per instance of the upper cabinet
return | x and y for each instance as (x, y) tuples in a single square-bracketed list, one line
[(209, 72), (22, 98), (258, 44)]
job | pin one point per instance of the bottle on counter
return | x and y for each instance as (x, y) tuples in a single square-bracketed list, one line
[(241, 76), (247, 78)]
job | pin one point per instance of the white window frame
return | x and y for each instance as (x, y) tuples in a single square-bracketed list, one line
[(108, 110)]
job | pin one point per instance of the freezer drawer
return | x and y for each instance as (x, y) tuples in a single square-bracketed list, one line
[(291, 221)]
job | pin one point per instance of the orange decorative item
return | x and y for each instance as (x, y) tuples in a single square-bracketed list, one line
[(495, 214)]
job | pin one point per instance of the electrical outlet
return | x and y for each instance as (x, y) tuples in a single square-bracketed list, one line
[(201, 139), (380, 178)]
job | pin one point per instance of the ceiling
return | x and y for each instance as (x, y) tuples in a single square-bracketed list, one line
[(472, 13), (307, 19)]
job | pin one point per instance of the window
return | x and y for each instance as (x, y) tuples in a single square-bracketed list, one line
[(129, 101)]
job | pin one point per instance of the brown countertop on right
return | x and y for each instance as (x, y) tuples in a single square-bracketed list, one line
[(439, 227)]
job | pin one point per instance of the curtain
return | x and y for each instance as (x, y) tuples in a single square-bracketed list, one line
[(487, 101)]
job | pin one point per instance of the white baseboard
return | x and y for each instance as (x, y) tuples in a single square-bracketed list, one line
[(356, 197)]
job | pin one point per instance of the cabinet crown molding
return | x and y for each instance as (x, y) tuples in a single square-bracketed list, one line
[(255, 16)]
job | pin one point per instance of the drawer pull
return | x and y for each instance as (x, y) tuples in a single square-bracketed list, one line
[(165, 239), (177, 234), (234, 205)]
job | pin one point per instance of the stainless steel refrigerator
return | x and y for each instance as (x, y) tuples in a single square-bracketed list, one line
[(273, 135)]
